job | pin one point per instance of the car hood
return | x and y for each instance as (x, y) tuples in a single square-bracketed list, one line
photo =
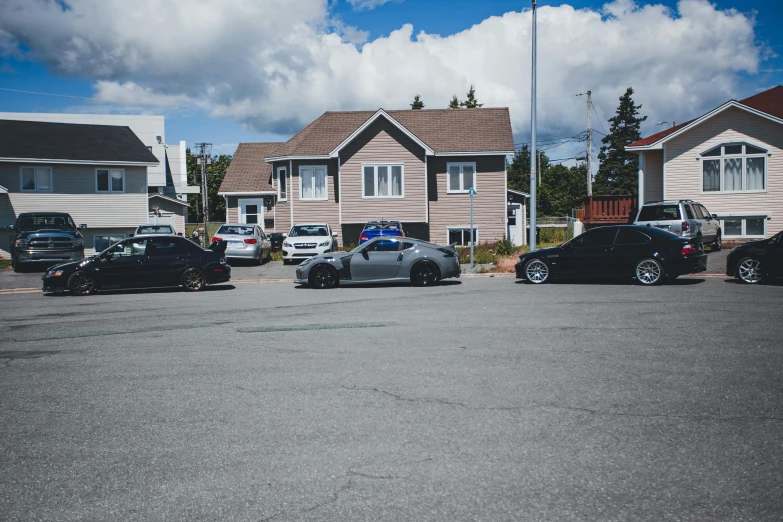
[(57, 232), (331, 257), (71, 266), (751, 244), (307, 239)]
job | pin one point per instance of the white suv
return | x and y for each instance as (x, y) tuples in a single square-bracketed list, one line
[(308, 240)]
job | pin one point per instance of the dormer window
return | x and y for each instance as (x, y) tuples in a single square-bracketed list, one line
[(734, 167)]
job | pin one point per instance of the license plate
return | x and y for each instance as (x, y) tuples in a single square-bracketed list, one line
[(236, 244)]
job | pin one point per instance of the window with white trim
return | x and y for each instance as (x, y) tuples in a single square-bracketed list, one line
[(461, 236), (36, 179), (382, 181), (734, 167), (460, 177), (109, 180), (313, 183), (751, 226), (282, 184)]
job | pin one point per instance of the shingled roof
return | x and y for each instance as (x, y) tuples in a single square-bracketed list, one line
[(769, 102), (72, 142), (248, 172), (443, 130)]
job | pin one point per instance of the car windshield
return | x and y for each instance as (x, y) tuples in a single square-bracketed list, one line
[(381, 226), (155, 229), (659, 213), (308, 230), (237, 230), (37, 221)]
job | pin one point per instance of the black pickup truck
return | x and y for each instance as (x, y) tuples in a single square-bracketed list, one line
[(45, 238)]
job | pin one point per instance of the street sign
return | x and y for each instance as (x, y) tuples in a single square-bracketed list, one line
[(472, 191)]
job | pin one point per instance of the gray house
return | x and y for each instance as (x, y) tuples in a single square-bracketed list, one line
[(96, 173), (347, 168)]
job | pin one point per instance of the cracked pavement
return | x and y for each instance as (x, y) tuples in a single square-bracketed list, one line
[(485, 400)]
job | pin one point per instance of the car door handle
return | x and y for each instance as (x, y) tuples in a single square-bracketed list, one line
[(399, 257)]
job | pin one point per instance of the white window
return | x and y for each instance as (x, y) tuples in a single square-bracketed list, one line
[(461, 177), (282, 184), (109, 180), (734, 167), (251, 211), (461, 236), (752, 226), (382, 181), (313, 181), (36, 179)]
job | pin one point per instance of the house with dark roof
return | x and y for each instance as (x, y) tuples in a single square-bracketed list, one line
[(347, 168), (729, 159), (95, 173)]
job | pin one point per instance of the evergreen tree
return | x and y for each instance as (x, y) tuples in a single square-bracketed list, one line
[(471, 102), (215, 174), (417, 103), (454, 103), (618, 170), (518, 171), (561, 190)]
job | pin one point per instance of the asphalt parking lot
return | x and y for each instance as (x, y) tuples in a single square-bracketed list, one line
[(482, 399)]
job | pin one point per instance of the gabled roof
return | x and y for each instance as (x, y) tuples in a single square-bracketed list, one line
[(172, 200), (248, 173), (48, 142), (441, 131), (768, 103)]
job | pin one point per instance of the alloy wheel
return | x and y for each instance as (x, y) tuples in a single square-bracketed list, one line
[(193, 280), (648, 272), (81, 283), (749, 271), (537, 271), (323, 277), (425, 275)]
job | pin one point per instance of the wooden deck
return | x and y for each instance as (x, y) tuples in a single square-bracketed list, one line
[(607, 210)]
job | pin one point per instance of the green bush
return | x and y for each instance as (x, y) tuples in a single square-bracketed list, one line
[(483, 253), (505, 247), (554, 235)]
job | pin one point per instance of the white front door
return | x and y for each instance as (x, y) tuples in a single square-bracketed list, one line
[(514, 222), (251, 211)]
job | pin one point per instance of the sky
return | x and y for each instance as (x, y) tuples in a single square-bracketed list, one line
[(231, 71)]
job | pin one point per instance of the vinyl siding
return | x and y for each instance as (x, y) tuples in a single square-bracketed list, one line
[(317, 211), (683, 170), (653, 175), (453, 210), (383, 143), (232, 211), (178, 211)]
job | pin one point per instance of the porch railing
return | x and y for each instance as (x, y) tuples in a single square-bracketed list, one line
[(607, 210)]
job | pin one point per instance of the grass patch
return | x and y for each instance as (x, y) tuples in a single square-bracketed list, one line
[(5, 263), (277, 256), (212, 228)]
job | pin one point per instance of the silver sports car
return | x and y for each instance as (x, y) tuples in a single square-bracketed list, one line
[(381, 260)]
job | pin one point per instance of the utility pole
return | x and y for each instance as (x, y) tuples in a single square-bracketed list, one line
[(589, 143), (204, 159), (533, 171)]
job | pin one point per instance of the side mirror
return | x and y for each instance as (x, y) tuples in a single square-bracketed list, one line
[(334, 234), (9, 227), (285, 236), (365, 253), (83, 225)]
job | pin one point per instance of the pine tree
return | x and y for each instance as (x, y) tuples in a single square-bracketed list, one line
[(471, 102), (618, 171), (454, 103), (417, 103)]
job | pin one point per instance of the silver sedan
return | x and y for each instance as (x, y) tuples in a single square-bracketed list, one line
[(244, 242), (381, 260)]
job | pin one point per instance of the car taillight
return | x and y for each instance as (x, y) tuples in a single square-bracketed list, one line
[(398, 234), (216, 239), (688, 249), (364, 237), (685, 226), (251, 241)]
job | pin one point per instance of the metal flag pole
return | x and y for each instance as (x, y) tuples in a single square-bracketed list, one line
[(533, 153), (472, 192)]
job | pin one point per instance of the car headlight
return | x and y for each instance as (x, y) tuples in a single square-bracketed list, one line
[(21, 243), (78, 241), (287, 244), (55, 273), (325, 243)]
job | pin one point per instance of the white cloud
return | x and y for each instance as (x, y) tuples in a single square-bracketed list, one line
[(275, 66), (362, 5)]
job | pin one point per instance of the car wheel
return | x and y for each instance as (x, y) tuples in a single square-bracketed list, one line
[(260, 259), (717, 244), (424, 274), (749, 271), (286, 261), (81, 283), (537, 271), (322, 276), (649, 272), (193, 280)]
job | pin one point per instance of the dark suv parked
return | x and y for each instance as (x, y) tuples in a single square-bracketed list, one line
[(45, 237)]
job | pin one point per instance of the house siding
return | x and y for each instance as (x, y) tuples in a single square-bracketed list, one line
[(383, 143), (232, 211), (317, 211), (683, 170), (453, 210), (168, 207), (653, 175)]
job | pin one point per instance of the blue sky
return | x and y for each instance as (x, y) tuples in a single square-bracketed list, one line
[(221, 112)]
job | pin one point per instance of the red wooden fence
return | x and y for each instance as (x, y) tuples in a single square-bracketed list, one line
[(607, 210)]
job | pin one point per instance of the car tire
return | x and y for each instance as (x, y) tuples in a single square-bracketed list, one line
[(81, 283), (257, 262), (649, 272), (286, 261), (750, 271), (717, 244), (537, 271), (322, 277), (424, 274), (15, 265), (193, 280)]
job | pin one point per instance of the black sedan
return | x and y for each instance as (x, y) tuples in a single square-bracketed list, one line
[(648, 254), (142, 262), (757, 260)]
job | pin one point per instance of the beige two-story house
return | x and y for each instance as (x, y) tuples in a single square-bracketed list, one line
[(348, 168), (730, 160), (95, 173)]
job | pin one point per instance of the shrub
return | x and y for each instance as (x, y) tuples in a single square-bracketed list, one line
[(483, 253), (555, 235), (505, 247)]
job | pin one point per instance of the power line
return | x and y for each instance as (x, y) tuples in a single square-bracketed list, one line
[(599, 120), (48, 94)]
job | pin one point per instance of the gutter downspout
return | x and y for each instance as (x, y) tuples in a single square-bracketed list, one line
[(289, 188), (642, 166)]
